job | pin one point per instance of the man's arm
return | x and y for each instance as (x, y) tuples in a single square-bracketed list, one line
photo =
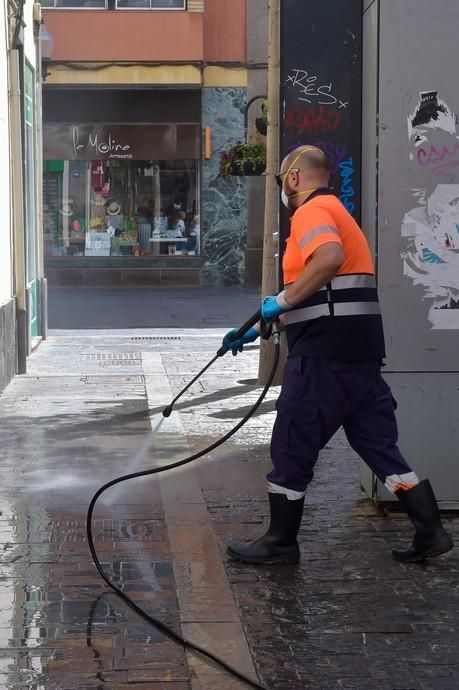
[(322, 267)]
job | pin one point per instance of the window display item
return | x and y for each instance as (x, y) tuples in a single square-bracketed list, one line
[(113, 209), (99, 200), (66, 210), (97, 243), (96, 222)]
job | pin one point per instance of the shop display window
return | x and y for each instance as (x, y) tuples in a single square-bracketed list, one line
[(119, 208)]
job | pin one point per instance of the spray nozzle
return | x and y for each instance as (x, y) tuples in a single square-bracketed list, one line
[(167, 411)]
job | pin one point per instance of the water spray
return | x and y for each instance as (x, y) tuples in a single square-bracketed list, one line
[(165, 629)]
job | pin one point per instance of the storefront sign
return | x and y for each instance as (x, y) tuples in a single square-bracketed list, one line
[(83, 141), (128, 142)]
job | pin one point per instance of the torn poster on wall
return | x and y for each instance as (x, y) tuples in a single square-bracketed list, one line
[(430, 113), (431, 253), (431, 230)]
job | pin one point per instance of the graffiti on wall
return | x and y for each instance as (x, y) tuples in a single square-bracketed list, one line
[(311, 89), (311, 120), (430, 230), (321, 89)]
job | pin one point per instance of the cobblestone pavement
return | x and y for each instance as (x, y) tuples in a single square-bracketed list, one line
[(347, 617)]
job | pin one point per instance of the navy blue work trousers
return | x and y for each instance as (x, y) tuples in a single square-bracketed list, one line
[(318, 396)]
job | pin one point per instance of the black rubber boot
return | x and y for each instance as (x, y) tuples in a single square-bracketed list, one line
[(279, 544), (430, 539)]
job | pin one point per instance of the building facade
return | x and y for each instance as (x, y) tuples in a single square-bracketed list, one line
[(22, 286), (140, 99)]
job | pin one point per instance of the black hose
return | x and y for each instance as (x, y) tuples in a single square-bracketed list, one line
[(165, 629)]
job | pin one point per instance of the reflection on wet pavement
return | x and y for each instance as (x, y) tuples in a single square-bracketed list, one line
[(346, 618), (68, 427)]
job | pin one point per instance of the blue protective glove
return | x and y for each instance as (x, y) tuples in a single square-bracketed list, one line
[(273, 306), (238, 345)]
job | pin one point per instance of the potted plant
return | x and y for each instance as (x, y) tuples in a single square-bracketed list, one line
[(261, 123), (243, 159)]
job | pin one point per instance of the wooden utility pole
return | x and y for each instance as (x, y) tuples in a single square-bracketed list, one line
[(269, 284)]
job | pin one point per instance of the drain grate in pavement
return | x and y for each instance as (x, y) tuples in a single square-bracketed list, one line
[(108, 530), (110, 380), (106, 359), (155, 337)]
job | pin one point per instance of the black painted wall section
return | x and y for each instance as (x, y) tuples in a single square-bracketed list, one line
[(7, 343), (321, 88), (123, 105)]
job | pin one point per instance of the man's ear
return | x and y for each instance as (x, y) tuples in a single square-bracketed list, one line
[(295, 179)]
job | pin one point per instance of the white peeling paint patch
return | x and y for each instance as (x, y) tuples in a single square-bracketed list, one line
[(430, 113), (431, 252)]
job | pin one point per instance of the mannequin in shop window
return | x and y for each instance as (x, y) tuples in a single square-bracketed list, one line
[(180, 228), (193, 235)]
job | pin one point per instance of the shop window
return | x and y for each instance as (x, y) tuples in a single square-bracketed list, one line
[(151, 4), (120, 208)]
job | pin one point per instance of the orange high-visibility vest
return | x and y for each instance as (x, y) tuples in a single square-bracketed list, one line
[(342, 320)]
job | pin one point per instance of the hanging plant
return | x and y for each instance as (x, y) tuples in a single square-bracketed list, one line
[(261, 123), (243, 159)]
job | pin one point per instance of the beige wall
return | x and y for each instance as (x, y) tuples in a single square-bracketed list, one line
[(5, 202)]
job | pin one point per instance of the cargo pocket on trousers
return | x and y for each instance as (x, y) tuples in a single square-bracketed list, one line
[(297, 423)]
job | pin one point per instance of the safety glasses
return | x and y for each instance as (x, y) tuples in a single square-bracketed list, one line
[(280, 176)]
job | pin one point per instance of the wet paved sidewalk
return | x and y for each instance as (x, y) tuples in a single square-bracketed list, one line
[(347, 617)]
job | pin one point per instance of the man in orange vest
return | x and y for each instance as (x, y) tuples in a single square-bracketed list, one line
[(332, 378)]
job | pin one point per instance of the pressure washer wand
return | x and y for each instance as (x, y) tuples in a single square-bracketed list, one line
[(220, 353)]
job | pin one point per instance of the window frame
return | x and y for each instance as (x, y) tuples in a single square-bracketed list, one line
[(152, 9), (113, 5), (79, 8)]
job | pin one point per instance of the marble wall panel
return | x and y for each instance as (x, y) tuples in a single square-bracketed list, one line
[(224, 201)]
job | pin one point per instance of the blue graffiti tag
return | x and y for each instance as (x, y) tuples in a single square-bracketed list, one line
[(346, 170)]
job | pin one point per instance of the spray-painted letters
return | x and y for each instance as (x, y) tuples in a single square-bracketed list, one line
[(311, 90), (347, 191), (430, 155), (313, 120)]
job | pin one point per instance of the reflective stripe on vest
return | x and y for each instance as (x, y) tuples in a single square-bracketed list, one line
[(343, 309), (332, 303), (347, 282)]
